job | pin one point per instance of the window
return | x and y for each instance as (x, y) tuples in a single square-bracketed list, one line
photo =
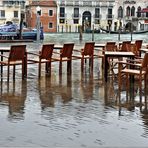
[(15, 13), (109, 13), (62, 21), (128, 11), (50, 12), (133, 11), (120, 12), (97, 21), (76, 12), (62, 12), (2, 13), (97, 12), (138, 12), (76, 21), (50, 25)]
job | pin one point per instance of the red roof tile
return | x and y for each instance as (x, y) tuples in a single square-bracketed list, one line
[(50, 3)]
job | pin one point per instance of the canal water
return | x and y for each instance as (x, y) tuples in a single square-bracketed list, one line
[(72, 110)]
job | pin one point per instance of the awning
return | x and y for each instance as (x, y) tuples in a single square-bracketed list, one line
[(144, 10)]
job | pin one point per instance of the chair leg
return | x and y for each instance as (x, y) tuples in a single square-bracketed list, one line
[(119, 76), (23, 70), (8, 73), (39, 69), (127, 81), (13, 72), (49, 67), (140, 84), (60, 67), (82, 64), (69, 66)]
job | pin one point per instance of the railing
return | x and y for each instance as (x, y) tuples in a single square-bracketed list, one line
[(76, 16), (110, 16), (97, 16), (62, 15)]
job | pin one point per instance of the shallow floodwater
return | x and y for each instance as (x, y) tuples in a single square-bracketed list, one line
[(72, 110)]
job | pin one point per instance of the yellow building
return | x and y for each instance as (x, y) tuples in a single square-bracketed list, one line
[(11, 11)]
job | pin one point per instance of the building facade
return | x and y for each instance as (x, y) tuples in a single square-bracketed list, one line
[(11, 11), (48, 15), (70, 15), (87, 14), (107, 14)]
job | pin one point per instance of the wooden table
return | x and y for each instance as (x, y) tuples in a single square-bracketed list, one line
[(112, 54)]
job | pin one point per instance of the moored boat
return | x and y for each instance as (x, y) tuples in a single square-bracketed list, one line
[(124, 32)]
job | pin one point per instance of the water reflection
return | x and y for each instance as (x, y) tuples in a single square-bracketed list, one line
[(13, 95)]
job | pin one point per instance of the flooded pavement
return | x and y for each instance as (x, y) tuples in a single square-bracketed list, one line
[(71, 110)]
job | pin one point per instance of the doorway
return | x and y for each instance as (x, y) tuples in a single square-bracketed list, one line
[(86, 21)]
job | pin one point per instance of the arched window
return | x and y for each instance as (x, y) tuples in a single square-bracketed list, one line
[(147, 13), (133, 11), (138, 11), (120, 12), (128, 11)]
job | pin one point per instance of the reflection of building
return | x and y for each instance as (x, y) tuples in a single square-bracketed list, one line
[(11, 10)]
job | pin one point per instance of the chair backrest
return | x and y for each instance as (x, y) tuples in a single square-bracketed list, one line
[(67, 50), (47, 50), (110, 46), (17, 52), (89, 48), (138, 43), (125, 45), (145, 61)]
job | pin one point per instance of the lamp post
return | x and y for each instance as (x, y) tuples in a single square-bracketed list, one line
[(38, 10)]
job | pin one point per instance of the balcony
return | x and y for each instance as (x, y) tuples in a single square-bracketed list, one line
[(142, 18), (128, 18), (87, 3), (15, 19), (76, 16), (98, 16), (62, 15), (110, 16), (2, 18)]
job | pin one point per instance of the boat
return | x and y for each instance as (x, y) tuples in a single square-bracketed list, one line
[(124, 32), (11, 31), (128, 32)]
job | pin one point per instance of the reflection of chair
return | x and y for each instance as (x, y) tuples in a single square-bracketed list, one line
[(65, 55), (14, 95), (86, 53), (140, 68), (44, 56), (17, 56)]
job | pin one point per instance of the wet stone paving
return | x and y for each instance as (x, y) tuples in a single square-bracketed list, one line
[(70, 110)]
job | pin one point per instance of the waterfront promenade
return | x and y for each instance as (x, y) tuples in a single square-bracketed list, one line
[(75, 110)]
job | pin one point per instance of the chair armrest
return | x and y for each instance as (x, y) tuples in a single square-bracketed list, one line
[(76, 50), (127, 63), (135, 60), (33, 53), (4, 56), (56, 52)]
